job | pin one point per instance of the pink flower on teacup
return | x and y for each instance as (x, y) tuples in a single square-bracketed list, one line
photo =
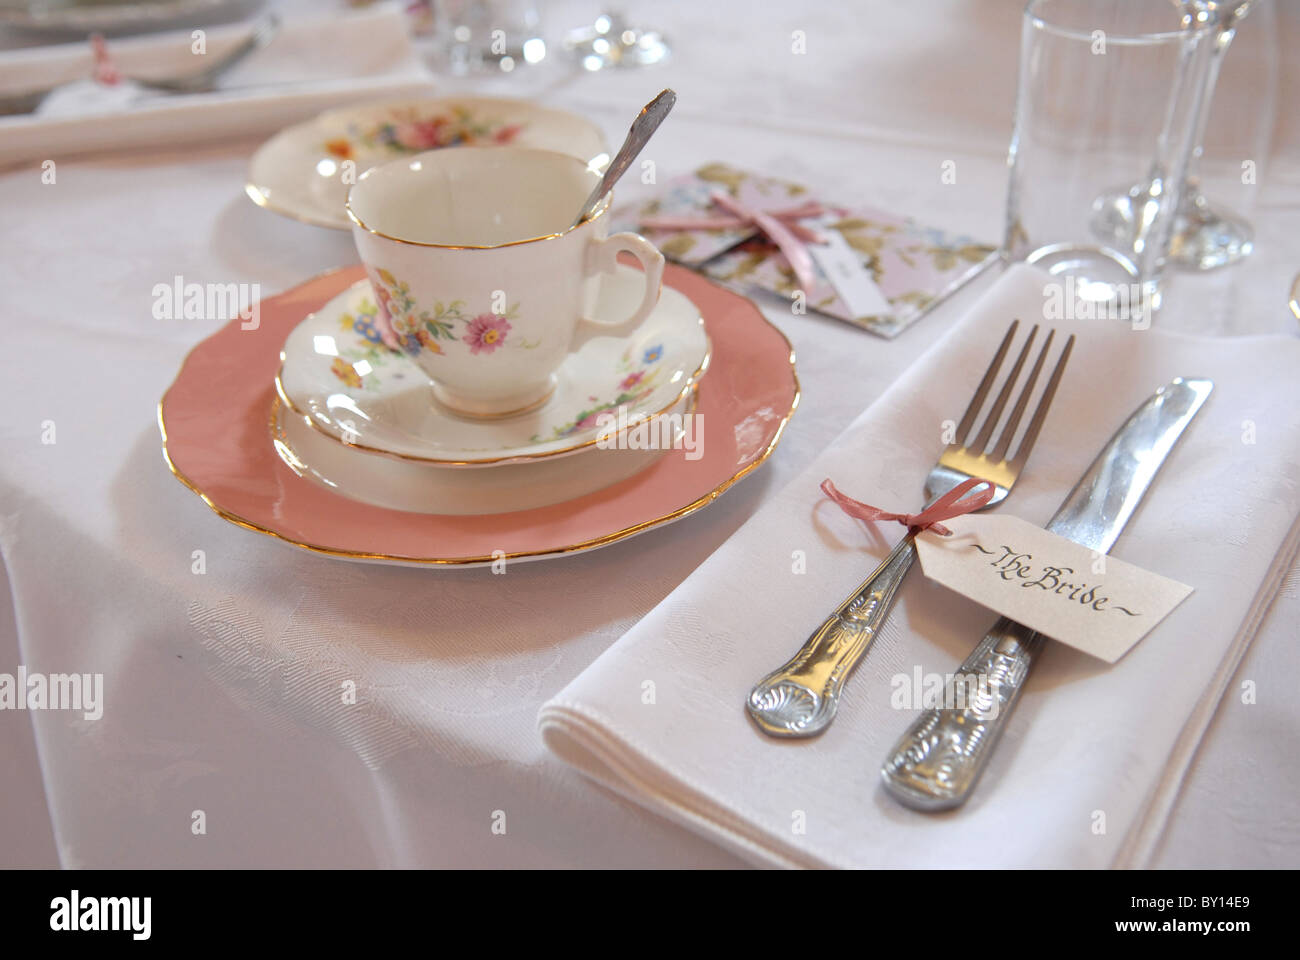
[(631, 380), (486, 332), (383, 322)]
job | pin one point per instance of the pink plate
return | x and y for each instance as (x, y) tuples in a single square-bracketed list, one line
[(216, 440)]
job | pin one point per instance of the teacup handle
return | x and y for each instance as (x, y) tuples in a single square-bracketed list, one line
[(602, 257)]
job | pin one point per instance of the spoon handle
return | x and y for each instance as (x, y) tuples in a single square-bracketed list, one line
[(643, 127)]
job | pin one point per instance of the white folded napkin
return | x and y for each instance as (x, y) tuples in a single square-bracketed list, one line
[(311, 64), (1094, 755)]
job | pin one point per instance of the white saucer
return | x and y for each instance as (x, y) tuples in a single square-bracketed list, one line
[(300, 171), (338, 376), (422, 487)]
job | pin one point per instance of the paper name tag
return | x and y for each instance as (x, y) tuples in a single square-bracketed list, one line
[(1065, 591), (845, 271)]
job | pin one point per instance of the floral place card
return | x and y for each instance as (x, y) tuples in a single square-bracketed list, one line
[(887, 270), (690, 196)]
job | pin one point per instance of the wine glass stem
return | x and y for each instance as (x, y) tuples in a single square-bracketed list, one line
[(1218, 49), (1178, 138)]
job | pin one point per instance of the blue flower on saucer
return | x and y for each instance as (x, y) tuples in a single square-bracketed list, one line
[(365, 325), (653, 354)]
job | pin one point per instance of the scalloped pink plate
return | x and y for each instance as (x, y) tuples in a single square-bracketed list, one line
[(215, 422)]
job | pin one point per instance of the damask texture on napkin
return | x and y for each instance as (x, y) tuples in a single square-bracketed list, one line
[(1093, 758)]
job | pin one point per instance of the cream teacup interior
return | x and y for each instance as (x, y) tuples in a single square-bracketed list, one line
[(472, 196)]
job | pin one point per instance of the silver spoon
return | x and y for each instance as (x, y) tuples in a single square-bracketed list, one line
[(643, 127)]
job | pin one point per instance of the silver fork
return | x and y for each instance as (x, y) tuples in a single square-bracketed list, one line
[(800, 698), (200, 81)]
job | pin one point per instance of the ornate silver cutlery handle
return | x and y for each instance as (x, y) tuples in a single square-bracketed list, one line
[(800, 698), (937, 763)]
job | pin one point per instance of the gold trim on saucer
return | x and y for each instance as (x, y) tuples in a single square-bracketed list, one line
[(280, 414), (691, 382), (590, 544), (259, 196)]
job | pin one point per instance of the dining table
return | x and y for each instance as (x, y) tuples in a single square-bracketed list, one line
[(221, 650)]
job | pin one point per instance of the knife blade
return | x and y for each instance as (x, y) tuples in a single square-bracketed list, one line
[(937, 763)]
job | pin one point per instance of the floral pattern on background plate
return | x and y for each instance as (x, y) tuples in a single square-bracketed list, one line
[(339, 372), (300, 172), (411, 130)]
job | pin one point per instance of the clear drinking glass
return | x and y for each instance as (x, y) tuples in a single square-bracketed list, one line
[(477, 35), (1109, 95)]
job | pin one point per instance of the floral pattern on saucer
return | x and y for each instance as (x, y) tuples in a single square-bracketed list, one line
[(356, 363), (410, 130), (638, 382)]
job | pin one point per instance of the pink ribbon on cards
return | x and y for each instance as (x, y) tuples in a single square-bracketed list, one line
[(781, 226), (106, 72), (950, 505)]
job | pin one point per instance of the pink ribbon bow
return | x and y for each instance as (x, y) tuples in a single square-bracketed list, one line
[(946, 507), (781, 226)]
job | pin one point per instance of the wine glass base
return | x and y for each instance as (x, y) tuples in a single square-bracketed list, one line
[(1206, 239), (1203, 238), (612, 43)]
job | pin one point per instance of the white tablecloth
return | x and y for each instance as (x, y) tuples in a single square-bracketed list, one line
[(219, 686)]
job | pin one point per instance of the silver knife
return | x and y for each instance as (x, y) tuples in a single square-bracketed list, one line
[(937, 763)]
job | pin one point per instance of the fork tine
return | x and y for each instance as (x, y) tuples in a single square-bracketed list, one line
[(991, 421), (977, 401), (1009, 431), (1031, 434)]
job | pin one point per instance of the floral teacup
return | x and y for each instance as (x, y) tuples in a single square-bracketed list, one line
[(481, 276)]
